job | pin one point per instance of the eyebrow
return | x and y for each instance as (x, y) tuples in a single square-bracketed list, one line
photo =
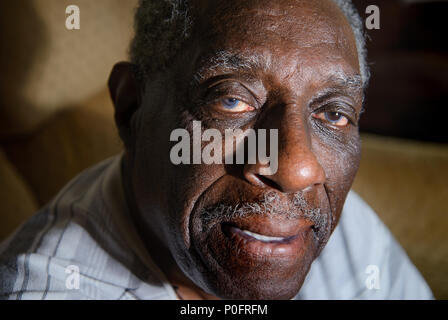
[(351, 82), (228, 61)]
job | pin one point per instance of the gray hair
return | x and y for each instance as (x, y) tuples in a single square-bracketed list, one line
[(163, 26), (270, 205)]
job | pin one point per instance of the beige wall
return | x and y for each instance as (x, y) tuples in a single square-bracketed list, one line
[(45, 67)]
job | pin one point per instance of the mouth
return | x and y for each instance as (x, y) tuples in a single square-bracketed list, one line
[(260, 237), (268, 239)]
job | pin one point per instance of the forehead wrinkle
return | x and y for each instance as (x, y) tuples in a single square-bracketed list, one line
[(227, 61)]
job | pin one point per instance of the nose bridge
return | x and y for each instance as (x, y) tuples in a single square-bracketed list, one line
[(298, 166), (293, 130)]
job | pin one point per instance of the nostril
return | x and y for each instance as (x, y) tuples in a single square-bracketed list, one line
[(268, 182)]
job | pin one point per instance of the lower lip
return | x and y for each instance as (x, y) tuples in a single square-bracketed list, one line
[(287, 248)]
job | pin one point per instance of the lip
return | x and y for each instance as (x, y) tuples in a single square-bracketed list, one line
[(291, 238), (250, 236)]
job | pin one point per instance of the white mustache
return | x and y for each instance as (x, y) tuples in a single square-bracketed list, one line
[(270, 205)]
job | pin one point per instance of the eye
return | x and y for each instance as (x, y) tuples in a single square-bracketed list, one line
[(233, 105), (334, 118)]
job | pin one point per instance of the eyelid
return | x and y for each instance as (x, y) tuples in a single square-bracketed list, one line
[(331, 97), (227, 110), (233, 88), (324, 119), (340, 107)]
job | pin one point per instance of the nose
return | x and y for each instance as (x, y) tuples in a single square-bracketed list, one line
[(298, 167)]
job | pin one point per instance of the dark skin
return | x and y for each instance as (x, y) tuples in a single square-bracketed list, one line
[(294, 68)]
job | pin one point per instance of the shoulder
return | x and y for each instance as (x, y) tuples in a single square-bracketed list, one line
[(362, 260), (30, 266), (67, 249)]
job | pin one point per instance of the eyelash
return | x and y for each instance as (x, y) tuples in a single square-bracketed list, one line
[(217, 93), (221, 101), (338, 109)]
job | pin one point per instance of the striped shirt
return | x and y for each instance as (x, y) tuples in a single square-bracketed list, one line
[(83, 245)]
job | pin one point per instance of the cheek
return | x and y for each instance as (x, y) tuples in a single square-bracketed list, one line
[(340, 163), (166, 192), (152, 173)]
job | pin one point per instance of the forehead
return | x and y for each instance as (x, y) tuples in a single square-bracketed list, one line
[(278, 34), (303, 22)]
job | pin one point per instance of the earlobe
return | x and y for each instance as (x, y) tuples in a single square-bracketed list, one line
[(123, 89)]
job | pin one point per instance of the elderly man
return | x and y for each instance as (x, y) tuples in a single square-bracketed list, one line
[(142, 226)]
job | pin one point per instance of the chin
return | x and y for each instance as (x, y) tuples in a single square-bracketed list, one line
[(268, 282), (233, 266)]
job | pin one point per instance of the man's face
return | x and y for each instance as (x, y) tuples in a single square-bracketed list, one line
[(285, 65)]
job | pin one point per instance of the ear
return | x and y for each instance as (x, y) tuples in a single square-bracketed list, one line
[(123, 89)]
